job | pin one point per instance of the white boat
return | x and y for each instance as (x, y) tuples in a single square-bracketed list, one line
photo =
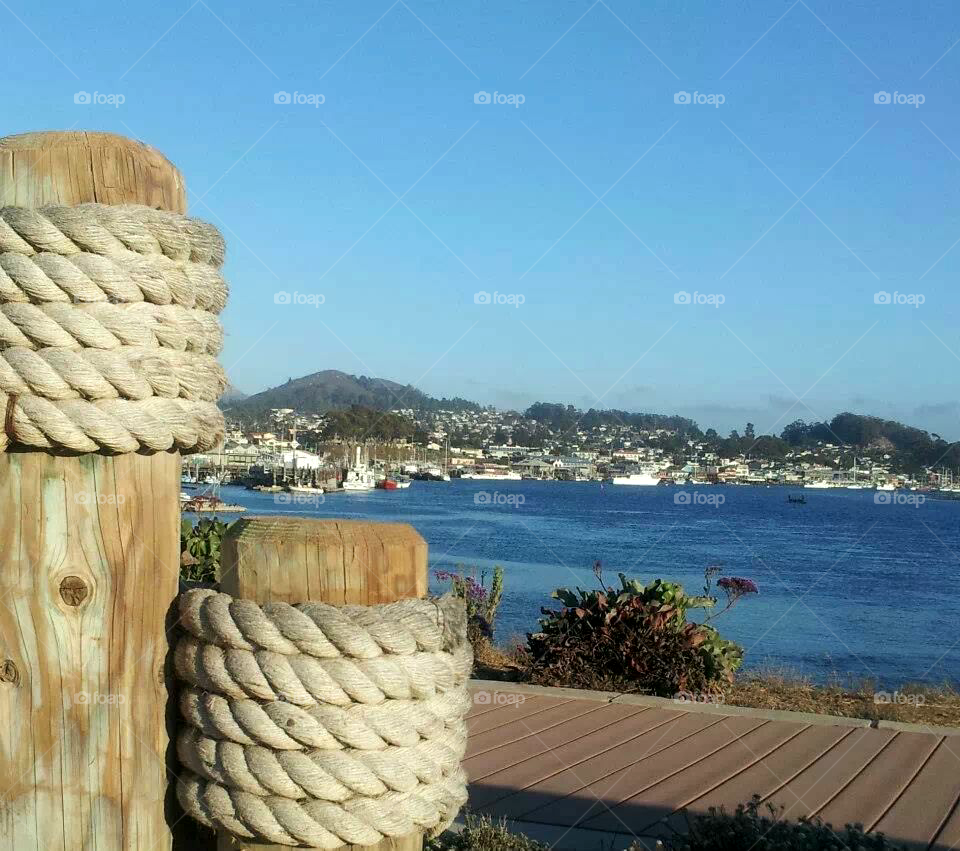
[(819, 485), (642, 479), (359, 477), (304, 489), (509, 476), (886, 487), (854, 487)]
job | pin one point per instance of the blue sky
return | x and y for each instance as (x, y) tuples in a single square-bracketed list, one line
[(502, 198)]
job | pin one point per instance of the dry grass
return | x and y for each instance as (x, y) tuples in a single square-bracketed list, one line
[(782, 689), (938, 706)]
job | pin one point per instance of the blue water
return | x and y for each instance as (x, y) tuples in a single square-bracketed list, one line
[(847, 587)]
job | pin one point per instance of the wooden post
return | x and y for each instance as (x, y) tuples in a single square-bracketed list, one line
[(89, 558), (296, 560)]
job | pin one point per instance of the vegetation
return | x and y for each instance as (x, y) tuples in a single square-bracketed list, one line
[(481, 834), (752, 828), (200, 549), (563, 418), (359, 423), (636, 638), (482, 605)]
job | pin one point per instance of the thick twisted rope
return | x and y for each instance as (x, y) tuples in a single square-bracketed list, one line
[(109, 329), (320, 725)]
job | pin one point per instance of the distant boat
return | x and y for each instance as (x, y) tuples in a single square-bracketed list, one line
[(638, 479), (359, 477), (305, 489), (387, 484), (823, 483), (886, 487), (799, 499), (208, 504), (508, 476)]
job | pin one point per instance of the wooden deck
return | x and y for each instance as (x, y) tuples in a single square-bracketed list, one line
[(580, 773)]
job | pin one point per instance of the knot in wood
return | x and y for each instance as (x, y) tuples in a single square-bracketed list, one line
[(9, 672), (73, 590)]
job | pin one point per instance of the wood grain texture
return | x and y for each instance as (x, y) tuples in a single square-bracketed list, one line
[(78, 167), (89, 557), (296, 560)]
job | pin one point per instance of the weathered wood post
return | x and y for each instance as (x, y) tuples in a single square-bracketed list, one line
[(296, 560), (89, 555)]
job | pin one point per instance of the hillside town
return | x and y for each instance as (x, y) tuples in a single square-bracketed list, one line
[(489, 444)]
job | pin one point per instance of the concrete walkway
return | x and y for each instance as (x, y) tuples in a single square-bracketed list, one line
[(589, 770)]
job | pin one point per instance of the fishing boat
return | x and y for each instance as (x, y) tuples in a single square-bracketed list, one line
[(387, 484), (359, 477)]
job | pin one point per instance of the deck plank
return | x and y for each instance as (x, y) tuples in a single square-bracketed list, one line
[(510, 714), (765, 778), (868, 795), (494, 746), (650, 762), (922, 807), (740, 750)]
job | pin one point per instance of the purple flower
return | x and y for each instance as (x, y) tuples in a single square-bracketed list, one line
[(737, 585)]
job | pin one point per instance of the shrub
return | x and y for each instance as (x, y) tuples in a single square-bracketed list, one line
[(481, 834), (749, 830), (635, 638), (482, 604), (200, 549)]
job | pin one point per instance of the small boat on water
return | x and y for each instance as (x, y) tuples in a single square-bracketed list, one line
[(305, 489), (886, 486), (387, 484), (799, 499), (819, 485)]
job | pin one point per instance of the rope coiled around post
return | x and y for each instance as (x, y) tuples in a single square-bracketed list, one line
[(109, 330), (320, 725)]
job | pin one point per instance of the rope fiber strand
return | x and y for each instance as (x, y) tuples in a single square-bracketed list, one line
[(318, 725), (108, 329)]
